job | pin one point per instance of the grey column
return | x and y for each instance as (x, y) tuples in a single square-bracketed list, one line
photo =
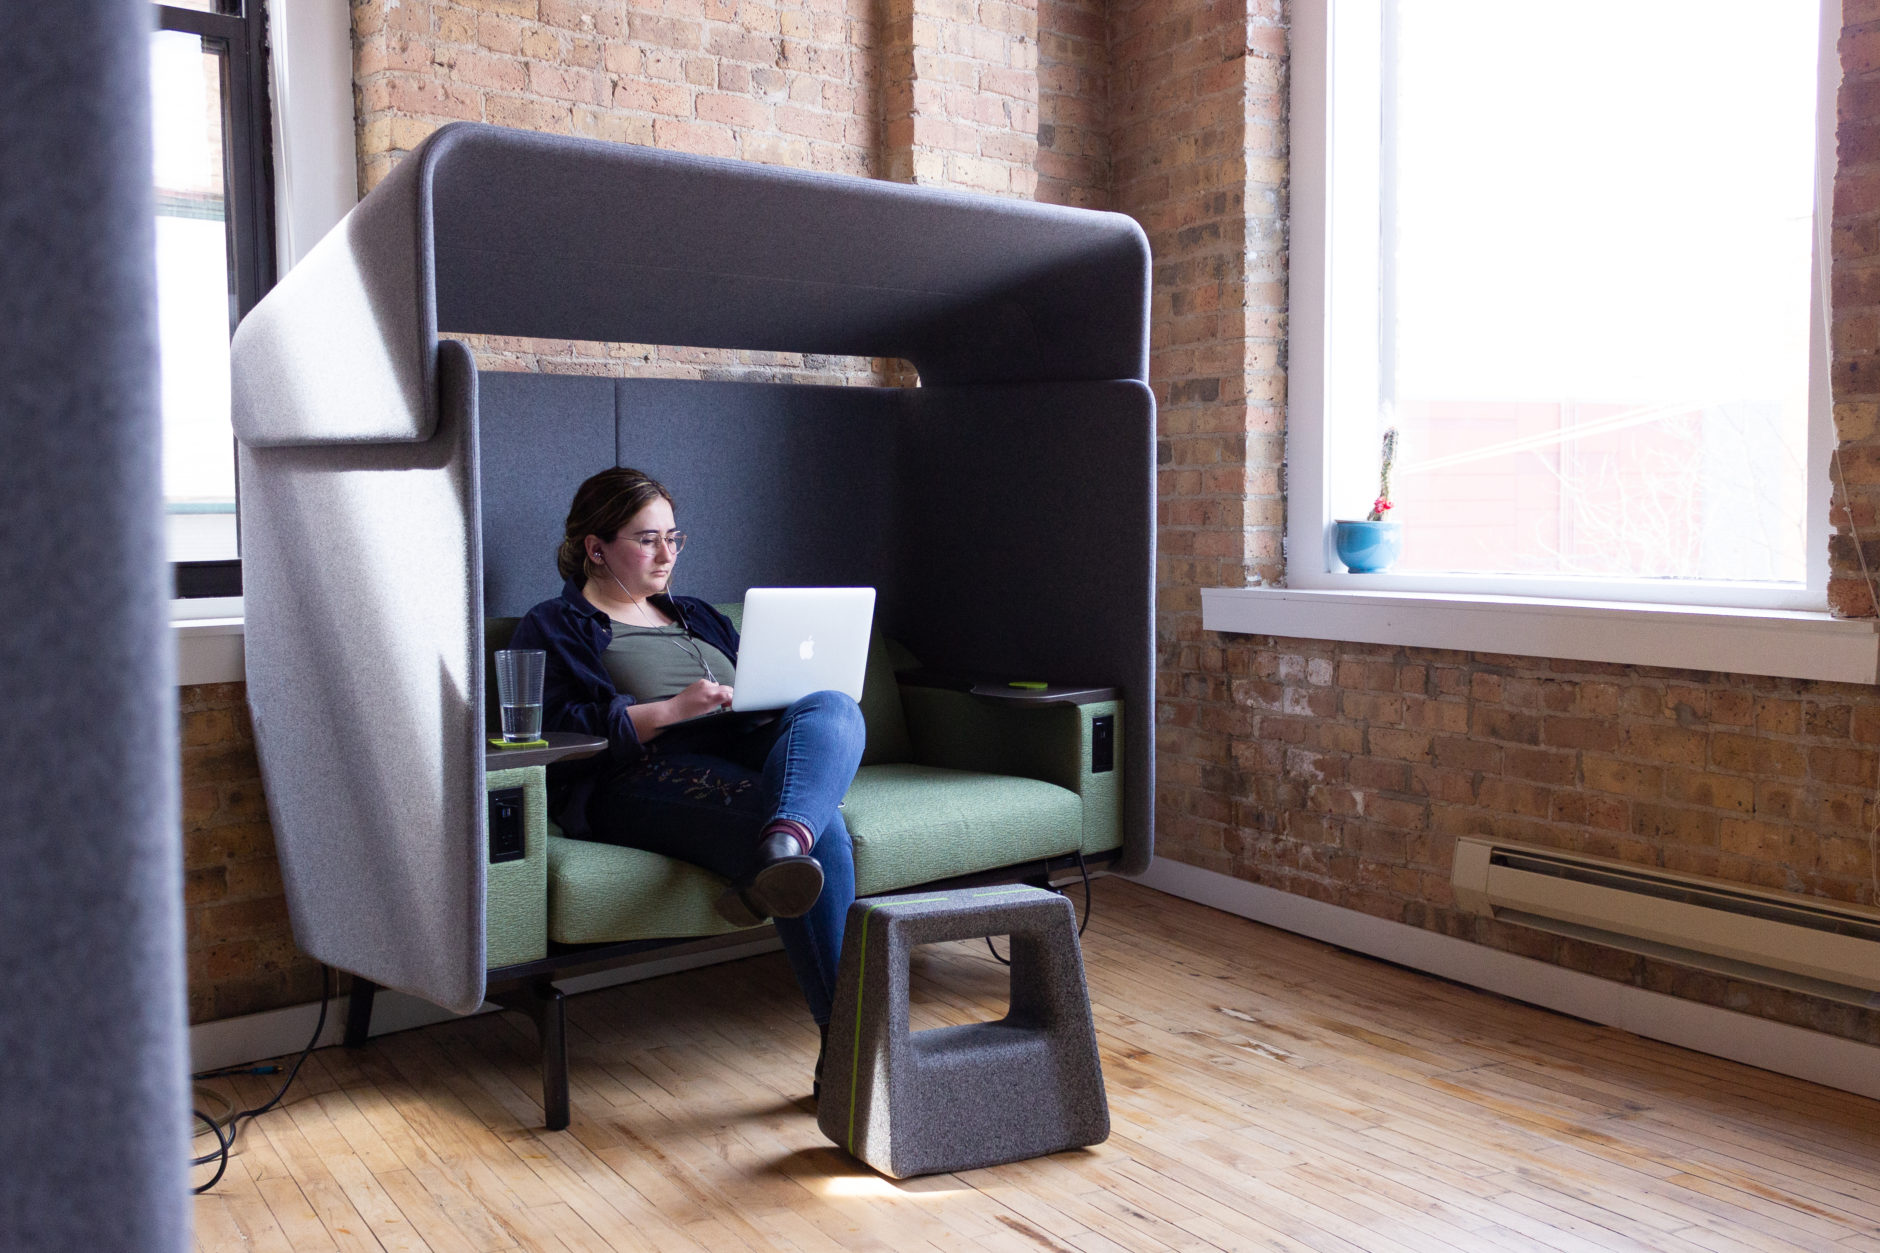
[(93, 1089)]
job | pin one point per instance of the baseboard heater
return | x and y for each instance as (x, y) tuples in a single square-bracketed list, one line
[(1803, 943)]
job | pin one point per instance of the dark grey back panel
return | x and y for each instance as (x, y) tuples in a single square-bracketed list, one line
[(776, 485), (1028, 547), (93, 1096), (541, 435)]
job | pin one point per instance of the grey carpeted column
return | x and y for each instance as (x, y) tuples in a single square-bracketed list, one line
[(93, 1097)]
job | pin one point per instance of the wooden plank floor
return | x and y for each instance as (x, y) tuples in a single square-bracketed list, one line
[(1266, 1092)]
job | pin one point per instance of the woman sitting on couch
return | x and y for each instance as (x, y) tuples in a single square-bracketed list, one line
[(751, 797)]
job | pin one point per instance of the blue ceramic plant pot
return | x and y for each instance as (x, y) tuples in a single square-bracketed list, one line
[(1368, 547)]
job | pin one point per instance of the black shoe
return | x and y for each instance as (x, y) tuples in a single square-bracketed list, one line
[(783, 884), (815, 1087)]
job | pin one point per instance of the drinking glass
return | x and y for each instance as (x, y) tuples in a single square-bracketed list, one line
[(519, 689)]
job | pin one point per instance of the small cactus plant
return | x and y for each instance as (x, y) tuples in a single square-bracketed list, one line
[(1382, 503)]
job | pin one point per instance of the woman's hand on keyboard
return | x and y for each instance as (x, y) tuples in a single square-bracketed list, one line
[(702, 697)]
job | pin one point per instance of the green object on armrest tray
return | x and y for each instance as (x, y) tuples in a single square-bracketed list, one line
[(497, 741)]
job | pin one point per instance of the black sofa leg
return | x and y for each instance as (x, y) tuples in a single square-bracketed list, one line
[(359, 1012), (542, 1001)]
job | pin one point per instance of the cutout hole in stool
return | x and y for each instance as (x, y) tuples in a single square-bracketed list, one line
[(944, 991)]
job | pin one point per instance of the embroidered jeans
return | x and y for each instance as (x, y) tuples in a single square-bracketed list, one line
[(704, 792)]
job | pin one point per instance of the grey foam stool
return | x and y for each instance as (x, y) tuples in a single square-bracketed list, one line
[(958, 1098)]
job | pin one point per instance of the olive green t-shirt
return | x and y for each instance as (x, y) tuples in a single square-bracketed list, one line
[(653, 663)]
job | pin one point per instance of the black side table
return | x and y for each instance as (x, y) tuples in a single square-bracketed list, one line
[(562, 746)]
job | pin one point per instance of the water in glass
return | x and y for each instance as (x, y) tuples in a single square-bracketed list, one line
[(522, 722)]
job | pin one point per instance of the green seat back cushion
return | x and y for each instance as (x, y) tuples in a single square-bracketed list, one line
[(881, 696), (602, 892), (915, 824)]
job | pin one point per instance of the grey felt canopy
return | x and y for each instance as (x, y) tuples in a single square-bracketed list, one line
[(392, 498)]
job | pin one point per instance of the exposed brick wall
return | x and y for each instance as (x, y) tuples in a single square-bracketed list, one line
[(1198, 105), (241, 951), (1856, 306), (1197, 143), (1073, 103), (959, 94), (784, 83), (1355, 767), (558, 356)]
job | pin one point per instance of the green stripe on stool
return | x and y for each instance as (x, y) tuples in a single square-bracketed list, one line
[(861, 986)]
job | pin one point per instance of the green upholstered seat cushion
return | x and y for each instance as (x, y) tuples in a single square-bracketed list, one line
[(602, 892), (915, 824), (910, 825)]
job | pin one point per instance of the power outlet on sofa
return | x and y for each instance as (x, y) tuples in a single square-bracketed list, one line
[(507, 842), (1103, 744)]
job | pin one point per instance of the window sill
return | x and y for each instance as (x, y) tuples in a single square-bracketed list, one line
[(208, 649), (1782, 643), (1785, 643)]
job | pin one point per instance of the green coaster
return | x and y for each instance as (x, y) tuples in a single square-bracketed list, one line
[(496, 741)]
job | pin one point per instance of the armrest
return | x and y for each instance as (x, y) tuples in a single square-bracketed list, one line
[(1057, 741), (515, 899), (994, 689), (562, 746)]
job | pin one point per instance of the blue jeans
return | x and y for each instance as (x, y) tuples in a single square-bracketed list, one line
[(703, 794)]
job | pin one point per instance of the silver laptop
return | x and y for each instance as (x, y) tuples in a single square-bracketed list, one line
[(798, 640)]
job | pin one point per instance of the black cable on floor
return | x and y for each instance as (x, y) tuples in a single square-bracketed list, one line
[(268, 1068), (1083, 870), (225, 1132), (220, 1156)]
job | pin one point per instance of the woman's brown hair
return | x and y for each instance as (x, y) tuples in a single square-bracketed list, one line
[(603, 505)]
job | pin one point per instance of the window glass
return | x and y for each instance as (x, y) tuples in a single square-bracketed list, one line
[(1594, 286), (195, 297)]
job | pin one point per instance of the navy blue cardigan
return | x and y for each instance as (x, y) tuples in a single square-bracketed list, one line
[(578, 695)]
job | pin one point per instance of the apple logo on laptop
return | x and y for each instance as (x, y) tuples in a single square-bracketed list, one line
[(807, 649)]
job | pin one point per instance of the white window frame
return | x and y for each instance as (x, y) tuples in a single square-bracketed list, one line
[(1335, 82), (315, 184), (1769, 631)]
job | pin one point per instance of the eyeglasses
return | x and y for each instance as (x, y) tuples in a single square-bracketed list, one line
[(651, 540)]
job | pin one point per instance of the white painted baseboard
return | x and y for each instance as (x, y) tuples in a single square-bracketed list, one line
[(279, 1032), (1804, 1054)]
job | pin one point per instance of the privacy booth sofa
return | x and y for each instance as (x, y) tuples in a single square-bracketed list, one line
[(399, 509)]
